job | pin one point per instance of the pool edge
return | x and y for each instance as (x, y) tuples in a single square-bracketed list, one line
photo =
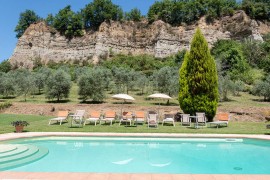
[(10, 136)]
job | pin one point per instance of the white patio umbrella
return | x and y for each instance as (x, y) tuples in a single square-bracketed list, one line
[(124, 97), (159, 96)]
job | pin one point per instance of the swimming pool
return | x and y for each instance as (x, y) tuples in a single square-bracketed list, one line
[(148, 155)]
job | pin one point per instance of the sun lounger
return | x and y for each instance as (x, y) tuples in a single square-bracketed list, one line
[(222, 119), (108, 116), (94, 117), (139, 117), (61, 116)]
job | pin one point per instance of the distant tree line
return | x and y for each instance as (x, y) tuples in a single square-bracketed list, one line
[(92, 82), (243, 66), (174, 12)]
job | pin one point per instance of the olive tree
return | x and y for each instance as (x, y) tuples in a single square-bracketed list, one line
[(167, 80), (262, 88), (7, 84), (24, 81), (122, 78), (58, 85), (40, 78), (225, 86), (142, 82), (92, 84)]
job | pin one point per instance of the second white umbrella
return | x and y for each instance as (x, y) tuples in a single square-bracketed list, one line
[(124, 97)]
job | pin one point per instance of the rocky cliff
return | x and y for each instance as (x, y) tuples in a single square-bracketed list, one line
[(42, 43)]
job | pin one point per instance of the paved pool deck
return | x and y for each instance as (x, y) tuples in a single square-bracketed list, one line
[(131, 176)]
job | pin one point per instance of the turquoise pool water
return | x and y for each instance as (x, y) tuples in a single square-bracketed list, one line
[(150, 155)]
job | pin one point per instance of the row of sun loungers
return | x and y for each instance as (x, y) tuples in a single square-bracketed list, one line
[(138, 117)]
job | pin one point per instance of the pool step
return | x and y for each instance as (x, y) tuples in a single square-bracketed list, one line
[(7, 148), (18, 150), (21, 155)]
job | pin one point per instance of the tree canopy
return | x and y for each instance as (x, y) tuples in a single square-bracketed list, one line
[(67, 22), (178, 11), (174, 12), (133, 15), (99, 11), (26, 19)]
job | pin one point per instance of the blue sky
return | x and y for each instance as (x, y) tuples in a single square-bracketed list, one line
[(10, 12)]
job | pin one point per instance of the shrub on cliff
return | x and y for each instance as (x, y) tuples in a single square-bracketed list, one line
[(178, 12), (26, 19), (198, 79), (68, 23), (257, 9), (133, 15), (99, 11)]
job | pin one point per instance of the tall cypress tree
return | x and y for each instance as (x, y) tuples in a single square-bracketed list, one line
[(198, 79)]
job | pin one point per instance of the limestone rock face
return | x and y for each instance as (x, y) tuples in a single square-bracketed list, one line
[(44, 44)]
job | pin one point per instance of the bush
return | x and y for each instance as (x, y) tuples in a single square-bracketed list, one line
[(5, 105), (230, 56), (262, 88)]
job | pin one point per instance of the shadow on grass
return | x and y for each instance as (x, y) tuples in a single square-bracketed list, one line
[(122, 102), (75, 127), (127, 125), (92, 102), (227, 100), (24, 131), (60, 101), (9, 97), (58, 123), (36, 94), (165, 104), (259, 100), (140, 94)]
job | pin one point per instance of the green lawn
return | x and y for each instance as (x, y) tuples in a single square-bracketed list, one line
[(40, 124), (245, 100)]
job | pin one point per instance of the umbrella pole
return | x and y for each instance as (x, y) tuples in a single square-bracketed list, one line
[(122, 108), (158, 108)]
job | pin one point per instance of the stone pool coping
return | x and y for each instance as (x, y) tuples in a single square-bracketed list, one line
[(131, 176), (10, 136)]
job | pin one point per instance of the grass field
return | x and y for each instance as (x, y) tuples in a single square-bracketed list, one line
[(245, 100), (40, 124)]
